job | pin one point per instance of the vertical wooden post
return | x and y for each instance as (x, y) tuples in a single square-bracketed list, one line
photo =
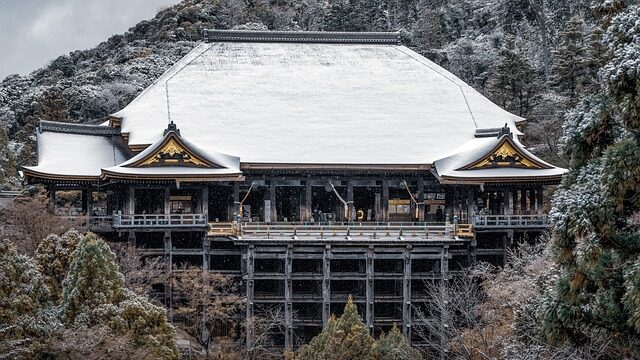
[(272, 198), (326, 284), (406, 294), (236, 201), (307, 200), (369, 288), (249, 309), (168, 297), (167, 200), (288, 307), (523, 201), (540, 201), (131, 200), (420, 199), (385, 200), (204, 202), (351, 210)]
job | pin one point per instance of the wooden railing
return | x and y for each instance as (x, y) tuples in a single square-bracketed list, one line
[(159, 220), (510, 221), (94, 223), (364, 230), (464, 230)]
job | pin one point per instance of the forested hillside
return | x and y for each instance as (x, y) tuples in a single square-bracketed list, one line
[(533, 57)]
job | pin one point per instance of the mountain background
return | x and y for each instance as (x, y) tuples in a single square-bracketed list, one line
[(532, 57)]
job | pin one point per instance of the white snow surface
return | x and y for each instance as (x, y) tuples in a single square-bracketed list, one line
[(75, 154), (305, 103), (478, 148)]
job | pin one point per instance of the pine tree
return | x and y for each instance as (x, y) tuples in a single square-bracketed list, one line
[(514, 85), (93, 294), (54, 255), (394, 346), (341, 339), (571, 68), (596, 211), (25, 307)]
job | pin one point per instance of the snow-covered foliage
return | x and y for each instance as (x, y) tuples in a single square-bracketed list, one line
[(94, 295), (54, 255)]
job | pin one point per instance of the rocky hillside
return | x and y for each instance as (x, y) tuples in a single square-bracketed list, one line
[(511, 53)]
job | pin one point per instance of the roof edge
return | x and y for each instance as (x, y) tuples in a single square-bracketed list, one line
[(80, 129), (387, 38)]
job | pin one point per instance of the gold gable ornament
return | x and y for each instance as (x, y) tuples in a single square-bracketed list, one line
[(173, 153), (505, 155)]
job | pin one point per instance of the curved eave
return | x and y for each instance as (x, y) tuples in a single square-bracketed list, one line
[(546, 179), (113, 175), (58, 177), (355, 167)]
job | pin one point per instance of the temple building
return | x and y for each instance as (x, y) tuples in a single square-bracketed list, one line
[(312, 166)]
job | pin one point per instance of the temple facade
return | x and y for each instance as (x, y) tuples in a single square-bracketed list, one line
[(311, 166)]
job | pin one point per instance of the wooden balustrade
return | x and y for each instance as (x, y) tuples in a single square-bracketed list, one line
[(159, 220), (510, 221)]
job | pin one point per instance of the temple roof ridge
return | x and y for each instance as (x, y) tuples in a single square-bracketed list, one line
[(79, 129), (328, 37)]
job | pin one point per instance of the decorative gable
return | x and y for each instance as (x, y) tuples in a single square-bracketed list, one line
[(506, 154), (172, 151)]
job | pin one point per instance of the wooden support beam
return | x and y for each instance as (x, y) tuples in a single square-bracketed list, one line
[(131, 200), (167, 201), (288, 306), (420, 199), (406, 293), (249, 257), (370, 288), (168, 267), (540, 201), (272, 198), (326, 284), (385, 200), (235, 209), (307, 200), (204, 200), (350, 210), (523, 201)]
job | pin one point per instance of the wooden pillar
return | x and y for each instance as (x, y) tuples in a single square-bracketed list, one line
[(272, 197), (131, 200), (351, 211), (523, 201), (250, 303), (510, 206), (307, 200), (420, 200), (167, 200), (168, 268), (406, 294), (288, 306), (514, 200), (385, 200), (540, 201), (326, 284), (204, 200), (369, 288), (236, 200)]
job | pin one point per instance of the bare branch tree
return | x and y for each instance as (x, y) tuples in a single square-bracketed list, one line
[(29, 219), (207, 304), (140, 272), (268, 323)]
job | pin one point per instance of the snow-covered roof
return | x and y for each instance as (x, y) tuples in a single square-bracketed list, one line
[(188, 161), (464, 164), (289, 98), (75, 152)]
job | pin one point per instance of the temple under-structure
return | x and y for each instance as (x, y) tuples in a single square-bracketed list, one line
[(312, 166)]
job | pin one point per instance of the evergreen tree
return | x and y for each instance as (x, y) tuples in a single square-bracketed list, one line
[(571, 68), (394, 346), (93, 294), (339, 16), (341, 339), (596, 211), (514, 85), (25, 307), (54, 255)]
